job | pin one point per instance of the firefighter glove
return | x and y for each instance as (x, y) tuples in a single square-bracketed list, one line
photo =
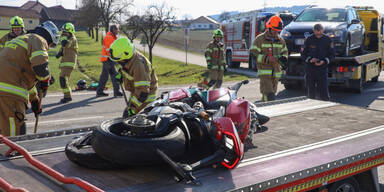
[(283, 62), (59, 54), (128, 112), (36, 107), (44, 84), (64, 43), (119, 76)]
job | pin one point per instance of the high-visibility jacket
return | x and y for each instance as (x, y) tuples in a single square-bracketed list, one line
[(264, 46), (215, 55), (70, 51), (139, 77), (17, 60), (7, 37), (108, 40)]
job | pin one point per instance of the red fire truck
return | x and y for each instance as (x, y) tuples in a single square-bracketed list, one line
[(240, 31)]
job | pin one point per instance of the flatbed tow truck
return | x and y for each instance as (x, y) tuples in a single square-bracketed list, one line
[(307, 145)]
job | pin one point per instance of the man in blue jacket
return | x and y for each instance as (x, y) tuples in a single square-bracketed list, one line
[(318, 52)]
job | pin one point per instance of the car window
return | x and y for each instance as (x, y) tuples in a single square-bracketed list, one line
[(321, 14)]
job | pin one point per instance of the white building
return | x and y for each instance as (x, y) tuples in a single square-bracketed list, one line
[(204, 22)]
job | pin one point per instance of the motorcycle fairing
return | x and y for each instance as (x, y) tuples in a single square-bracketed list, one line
[(239, 111), (215, 94), (227, 133), (178, 94)]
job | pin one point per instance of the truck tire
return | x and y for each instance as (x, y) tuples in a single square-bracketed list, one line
[(349, 184), (229, 61), (135, 150), (80, 152)]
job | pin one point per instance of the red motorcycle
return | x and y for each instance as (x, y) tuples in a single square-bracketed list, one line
[(175, 128)]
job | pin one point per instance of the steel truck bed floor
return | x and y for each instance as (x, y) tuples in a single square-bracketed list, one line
[(261, 162)]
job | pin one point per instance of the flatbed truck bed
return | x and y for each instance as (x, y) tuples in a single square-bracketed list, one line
[(307, 143)]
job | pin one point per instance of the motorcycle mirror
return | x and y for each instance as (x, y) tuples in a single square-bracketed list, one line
[(245, 82)]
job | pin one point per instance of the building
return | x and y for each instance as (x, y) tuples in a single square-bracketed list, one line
[(34, 12), (203, 23), (31, 18)]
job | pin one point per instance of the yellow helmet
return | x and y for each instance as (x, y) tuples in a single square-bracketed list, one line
[(121, 49), (68, 27), (217, 33), (16, 21)]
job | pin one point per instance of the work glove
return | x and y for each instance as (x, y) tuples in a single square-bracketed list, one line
[(283, 62), (128, 112), (35, 107), (59, 54), (119, 76), (64, 43), (43, 85)]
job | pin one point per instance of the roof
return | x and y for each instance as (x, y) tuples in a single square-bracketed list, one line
[(34, 5), (60, 13), (12, 11), (204, 19)]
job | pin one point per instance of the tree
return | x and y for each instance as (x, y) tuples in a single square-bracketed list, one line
[(88, 16), (155, 20), (224, 16), (111, 9), (129, 28)]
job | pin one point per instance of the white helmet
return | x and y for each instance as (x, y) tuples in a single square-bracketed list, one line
[(52, 30)]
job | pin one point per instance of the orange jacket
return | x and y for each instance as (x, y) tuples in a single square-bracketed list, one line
[(108, 40)]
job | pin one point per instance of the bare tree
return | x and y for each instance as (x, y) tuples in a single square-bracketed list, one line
[(111, 9), (88, 16), (224, 16), (129, 27), (155, 20)]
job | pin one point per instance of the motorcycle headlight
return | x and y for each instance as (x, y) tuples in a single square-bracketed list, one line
[(285, 33)]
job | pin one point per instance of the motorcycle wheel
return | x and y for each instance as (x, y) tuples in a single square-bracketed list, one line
[(80, 152), (136, 150)]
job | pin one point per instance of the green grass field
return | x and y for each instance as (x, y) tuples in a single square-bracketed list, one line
[(169, 72)]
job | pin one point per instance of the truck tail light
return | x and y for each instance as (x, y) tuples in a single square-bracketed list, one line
[(344, 69)]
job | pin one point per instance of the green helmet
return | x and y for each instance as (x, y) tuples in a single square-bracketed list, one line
[(121, 49), (68, 27), (218, 33), (16, 21)]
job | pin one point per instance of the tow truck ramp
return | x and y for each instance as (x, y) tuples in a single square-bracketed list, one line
[(307, 144)]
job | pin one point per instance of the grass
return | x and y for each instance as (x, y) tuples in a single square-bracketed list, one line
[(169, 72)]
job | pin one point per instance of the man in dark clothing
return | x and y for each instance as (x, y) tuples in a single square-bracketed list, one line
[(318, 52)]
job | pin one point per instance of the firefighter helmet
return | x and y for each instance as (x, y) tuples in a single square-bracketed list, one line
[(68, 27), (82, 84), (121, 49), (218, 33), (16, 21), (275, 23), (51, 28)]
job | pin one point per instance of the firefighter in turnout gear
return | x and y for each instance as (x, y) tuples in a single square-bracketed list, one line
[(68, 54), (23, 63), (271, 54), (215, 56), (17, 28), (137, 74)]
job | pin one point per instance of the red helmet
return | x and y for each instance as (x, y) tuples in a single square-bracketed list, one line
[(275, 23)]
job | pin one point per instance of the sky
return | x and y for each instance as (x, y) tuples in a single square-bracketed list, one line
[(196, 8)]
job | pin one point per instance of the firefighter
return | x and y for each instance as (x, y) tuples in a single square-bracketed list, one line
[(271, 54), (17, 28), (137, 74), (215, 56), (68, 54), (23, 62), (317, 53)]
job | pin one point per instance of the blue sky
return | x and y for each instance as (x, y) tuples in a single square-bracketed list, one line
[(196, 8)]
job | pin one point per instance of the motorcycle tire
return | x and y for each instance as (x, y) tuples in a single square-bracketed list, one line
[(131, 150), (80, 152)]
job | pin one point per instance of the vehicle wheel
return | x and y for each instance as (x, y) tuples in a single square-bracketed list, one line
[(252, 63), (347, 49), (361, 49), (113, 141), (229, 61), (79, 151), (349, 184)]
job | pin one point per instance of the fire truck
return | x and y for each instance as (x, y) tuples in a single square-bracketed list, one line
[(308, 145), (240, 31)]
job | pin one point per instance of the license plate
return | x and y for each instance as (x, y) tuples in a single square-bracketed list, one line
[(299, 41)]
